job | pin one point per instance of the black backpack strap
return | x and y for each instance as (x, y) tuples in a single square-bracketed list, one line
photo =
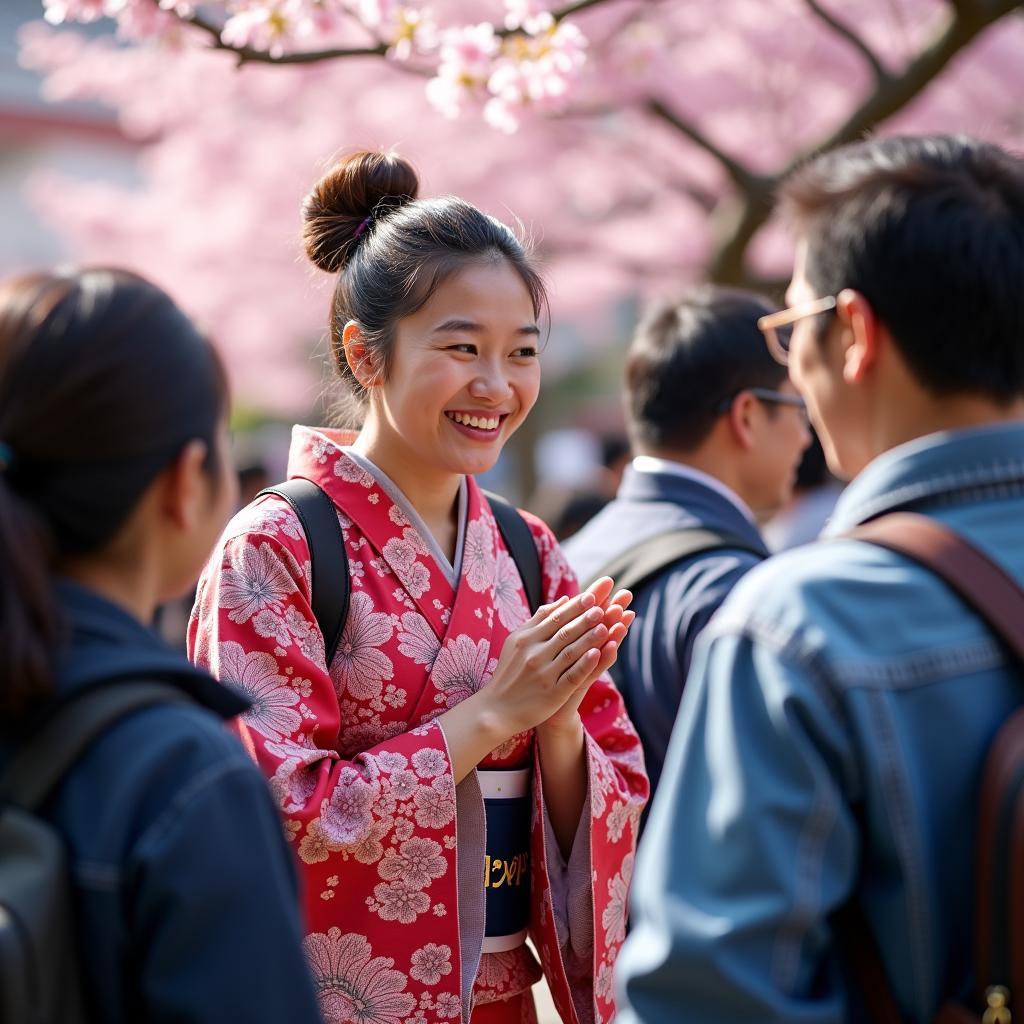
[(521, 546), (639, 563), (328, 560), (45, 758)]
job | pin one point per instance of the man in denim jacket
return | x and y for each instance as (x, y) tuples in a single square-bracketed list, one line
[(839, 710)]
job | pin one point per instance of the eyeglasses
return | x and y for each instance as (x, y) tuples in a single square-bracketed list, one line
[(777, 328), (766, 395)]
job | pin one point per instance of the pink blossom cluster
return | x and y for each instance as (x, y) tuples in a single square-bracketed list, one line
[(533, 69), (527, 62), (136, 19)]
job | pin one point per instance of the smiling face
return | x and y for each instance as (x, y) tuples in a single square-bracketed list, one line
[(464, 373)]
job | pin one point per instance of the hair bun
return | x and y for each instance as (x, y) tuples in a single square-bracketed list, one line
[(359, 185)]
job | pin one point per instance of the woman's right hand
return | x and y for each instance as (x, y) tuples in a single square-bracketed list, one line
[(546, 660)]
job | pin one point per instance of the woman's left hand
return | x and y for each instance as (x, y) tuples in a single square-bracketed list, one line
[(617, 619)]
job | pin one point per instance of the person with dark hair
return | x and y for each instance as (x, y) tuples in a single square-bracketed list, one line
[(717, 431), (815, 825), (114, 481), (456, 771)]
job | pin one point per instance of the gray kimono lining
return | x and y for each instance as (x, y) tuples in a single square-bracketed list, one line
[(394, 492)]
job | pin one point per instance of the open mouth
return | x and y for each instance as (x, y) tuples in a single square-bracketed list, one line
[(484, 425)]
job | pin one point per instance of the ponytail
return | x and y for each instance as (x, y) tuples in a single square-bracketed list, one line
[(28, 616)]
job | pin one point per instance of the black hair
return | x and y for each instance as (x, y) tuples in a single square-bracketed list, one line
[(931, 231), (688, 356), (391, 251), (103, 380)]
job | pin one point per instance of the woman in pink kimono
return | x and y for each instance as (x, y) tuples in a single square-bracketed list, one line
[(462, 774)]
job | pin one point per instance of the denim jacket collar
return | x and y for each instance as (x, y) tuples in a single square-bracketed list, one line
[(948, 466)]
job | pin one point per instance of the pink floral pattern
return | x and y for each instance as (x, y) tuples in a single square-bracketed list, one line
[(362, 771)]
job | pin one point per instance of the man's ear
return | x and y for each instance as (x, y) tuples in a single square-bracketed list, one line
[(741, 419), (862, 335), (360, 361), (183, 487)]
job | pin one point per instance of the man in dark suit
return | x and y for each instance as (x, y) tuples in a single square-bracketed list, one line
[(717, 431)]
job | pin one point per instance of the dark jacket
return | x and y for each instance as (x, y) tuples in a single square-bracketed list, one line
[(672, 607), (186, 893)]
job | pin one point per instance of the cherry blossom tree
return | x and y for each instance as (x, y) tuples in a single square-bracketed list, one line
[(638, 141)]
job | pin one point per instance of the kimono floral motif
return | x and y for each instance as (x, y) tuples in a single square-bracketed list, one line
[(353, 984), (614, 916), (360, 666), (431, 963), (508, 593), (361, 769), (398, 901), (462, 668), (256, 674), (478, 555), (345, 817), (253, 581), (418, 862), (417, 640)]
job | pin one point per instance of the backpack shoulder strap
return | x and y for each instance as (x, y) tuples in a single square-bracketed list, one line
[(980, 582), (999, 856), (328, 560), (45, 758), (519, 540), (640, 562)]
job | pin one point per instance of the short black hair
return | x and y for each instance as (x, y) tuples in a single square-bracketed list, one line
[(687, 357), (930, 230)]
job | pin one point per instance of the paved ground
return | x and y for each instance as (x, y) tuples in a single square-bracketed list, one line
[(546, 1012)]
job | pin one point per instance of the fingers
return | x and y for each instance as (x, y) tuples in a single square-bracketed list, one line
[(607, 657), (579, 673), (564, 614), (593, 639), (601, 588), (543, 612)]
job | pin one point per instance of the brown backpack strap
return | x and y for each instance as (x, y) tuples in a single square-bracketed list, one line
[(999, 870), (984, 585)]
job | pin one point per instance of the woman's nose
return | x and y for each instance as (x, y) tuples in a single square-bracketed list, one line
[(490, 383)]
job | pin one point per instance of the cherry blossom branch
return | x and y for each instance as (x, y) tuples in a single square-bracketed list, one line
[(967, 22), (739, 217), (845, 32), (745, 179), (249, 54)]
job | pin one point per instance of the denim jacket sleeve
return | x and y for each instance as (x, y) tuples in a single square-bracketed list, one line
[(751, 845), (216, 907)]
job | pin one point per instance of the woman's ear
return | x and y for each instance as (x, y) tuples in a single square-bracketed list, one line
[(360, 361), (184, 487)]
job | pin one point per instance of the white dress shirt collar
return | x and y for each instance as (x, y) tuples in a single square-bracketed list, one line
[(652, 464)]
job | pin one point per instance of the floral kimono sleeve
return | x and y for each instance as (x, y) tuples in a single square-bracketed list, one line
[(368, 800), (581, 923)]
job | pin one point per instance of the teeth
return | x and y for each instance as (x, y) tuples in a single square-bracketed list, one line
[(480, 422)]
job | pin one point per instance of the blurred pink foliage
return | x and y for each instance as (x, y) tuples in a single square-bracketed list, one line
[(558, 122)]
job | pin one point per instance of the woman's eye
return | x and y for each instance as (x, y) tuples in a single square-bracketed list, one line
[(465, 349), (526, 352)]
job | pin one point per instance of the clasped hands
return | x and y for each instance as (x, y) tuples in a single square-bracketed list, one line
[(549, 663)]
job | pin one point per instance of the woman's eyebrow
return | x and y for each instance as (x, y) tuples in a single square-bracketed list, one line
[(472, 327), (456, 324)]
